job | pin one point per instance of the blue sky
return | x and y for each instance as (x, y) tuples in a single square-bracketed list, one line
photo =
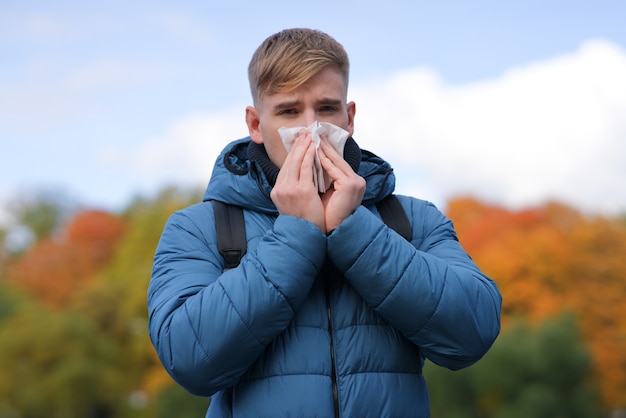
[(512, 103)]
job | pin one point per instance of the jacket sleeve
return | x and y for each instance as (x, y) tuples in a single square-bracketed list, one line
[(209, 326), (431, 291)]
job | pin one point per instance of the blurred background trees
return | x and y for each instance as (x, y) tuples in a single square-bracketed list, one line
[(553, 259), (539, 372), (73, 319)]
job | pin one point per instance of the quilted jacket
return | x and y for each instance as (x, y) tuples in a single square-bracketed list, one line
[(310, 325)]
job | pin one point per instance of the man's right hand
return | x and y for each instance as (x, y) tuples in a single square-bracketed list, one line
[(295, 193)]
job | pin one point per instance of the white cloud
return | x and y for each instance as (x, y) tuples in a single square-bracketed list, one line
[(185, 154), (554, 129)]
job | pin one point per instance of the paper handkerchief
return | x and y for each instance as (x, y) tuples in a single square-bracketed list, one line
[(336, 137)]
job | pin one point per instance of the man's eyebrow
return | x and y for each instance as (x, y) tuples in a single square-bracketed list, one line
[(286, 105), (329, 101)]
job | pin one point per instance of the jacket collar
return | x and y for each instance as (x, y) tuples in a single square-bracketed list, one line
[(244, 176)]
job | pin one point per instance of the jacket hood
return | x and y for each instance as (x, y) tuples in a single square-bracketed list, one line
[(238, 181)]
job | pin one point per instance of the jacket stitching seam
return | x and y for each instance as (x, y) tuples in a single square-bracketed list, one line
[(443, 289), (195, 334), (395, 284), (248, 328)]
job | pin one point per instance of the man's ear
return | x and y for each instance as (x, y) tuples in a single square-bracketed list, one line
[(253, 122), (351, 107)]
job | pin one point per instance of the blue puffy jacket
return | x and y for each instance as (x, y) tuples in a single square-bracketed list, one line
[(310, 325)]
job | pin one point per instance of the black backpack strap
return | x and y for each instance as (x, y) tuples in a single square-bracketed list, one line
[(230, 227), (394, 216), (231, 233)]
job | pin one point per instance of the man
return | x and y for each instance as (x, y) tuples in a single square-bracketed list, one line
[(330, 312)]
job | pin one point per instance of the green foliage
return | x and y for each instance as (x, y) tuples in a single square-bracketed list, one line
[(53, 364), (542, 372), (9, 301), (176, 402)]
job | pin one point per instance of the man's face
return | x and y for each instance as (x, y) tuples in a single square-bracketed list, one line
[(323, 98)]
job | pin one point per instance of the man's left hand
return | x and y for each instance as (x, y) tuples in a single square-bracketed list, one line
[(348, 188)]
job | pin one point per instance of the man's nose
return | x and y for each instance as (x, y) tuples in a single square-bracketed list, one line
[(309, 117)]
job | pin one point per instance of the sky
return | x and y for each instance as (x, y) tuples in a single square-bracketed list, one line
[(513, 103)]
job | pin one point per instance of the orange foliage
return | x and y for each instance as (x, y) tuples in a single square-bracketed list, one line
[(54, 269), (552, 258)]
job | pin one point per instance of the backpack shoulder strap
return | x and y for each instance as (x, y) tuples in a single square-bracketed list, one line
[(231, 233), (230, 227), (394, 216)]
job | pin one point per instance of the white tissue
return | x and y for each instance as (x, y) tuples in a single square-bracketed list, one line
[(336, 137)]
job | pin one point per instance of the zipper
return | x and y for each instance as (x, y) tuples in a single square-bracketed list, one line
[(333, 373)]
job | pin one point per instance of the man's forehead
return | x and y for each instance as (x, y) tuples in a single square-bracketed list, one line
[(329, 81)]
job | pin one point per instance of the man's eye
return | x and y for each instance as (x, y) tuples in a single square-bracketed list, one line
[(328, 109), (289, 112)]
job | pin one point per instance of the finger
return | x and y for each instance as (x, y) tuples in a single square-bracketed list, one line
[(334, 164), (293, 162), (333, 156), (308, 161)]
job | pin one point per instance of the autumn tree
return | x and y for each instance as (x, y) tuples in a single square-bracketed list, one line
[(550, 259), (84, 351), (82, 291), (116, 302), (56, 267)]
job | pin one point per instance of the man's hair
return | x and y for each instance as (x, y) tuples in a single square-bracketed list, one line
[(290, 58)]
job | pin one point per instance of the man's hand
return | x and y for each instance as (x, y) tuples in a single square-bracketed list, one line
[(295, 193), (348, 187)]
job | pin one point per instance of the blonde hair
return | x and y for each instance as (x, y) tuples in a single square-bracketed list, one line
[(290, 58)]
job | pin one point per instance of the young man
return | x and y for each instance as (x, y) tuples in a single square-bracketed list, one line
[(330, 312)]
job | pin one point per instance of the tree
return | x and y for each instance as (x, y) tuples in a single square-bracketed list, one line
[(552, 258), (79, 346), (116, 302), (174, 401), (54, 269), (53, 364), (529, 372)]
